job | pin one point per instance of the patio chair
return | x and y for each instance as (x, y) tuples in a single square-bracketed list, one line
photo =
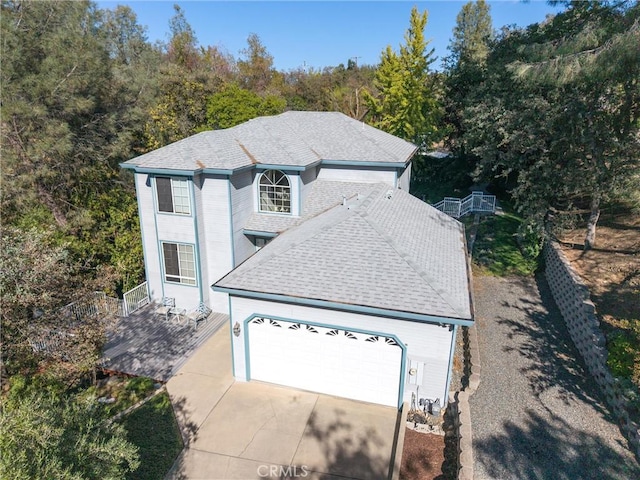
[(168, 303), (199, 314)]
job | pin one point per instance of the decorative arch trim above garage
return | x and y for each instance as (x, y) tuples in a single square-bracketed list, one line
[(356, 364)]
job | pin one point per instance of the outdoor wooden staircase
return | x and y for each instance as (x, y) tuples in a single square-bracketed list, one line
[(477, 202)]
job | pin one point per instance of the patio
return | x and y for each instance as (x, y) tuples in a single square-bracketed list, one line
[(151, 345)]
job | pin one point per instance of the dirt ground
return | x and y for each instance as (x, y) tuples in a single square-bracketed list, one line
[(422, 457), (612, 269)]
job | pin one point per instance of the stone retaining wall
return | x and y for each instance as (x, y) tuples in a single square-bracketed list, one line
[(459, 409), (573, 299)]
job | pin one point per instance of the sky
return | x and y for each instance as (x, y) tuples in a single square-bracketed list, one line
[(314, 34)]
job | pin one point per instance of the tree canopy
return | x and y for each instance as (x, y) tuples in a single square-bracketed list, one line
[(556, 111), (407, 103)]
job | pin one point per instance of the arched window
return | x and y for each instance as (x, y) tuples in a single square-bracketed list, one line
[(275, 192)]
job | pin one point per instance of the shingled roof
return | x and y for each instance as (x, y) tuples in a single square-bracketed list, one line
[(295, 139), (324, 195), (386, 250)]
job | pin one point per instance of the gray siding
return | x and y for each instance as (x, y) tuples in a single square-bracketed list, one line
[(404, 180), (358, 174), (146, 209), (216, 221), (306, 182), (158, 227), (205, 291), (242, 202)]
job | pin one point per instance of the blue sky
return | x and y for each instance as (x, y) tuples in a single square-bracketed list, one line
[(320, 34)]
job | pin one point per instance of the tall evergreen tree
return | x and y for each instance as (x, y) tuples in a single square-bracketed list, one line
[(57, 133), (407, 104), (188, 76), (469, 49), (472, 35), (73, 98)]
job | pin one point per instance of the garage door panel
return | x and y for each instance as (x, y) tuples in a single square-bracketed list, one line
[(331, 361)]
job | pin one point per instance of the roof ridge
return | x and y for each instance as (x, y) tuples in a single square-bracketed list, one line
[(406, 257)]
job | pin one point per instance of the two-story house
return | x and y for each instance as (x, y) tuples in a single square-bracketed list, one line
[(301, 227)]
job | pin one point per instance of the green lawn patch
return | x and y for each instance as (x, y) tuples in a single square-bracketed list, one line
[(496, 250), (154, 430), (119, 393)]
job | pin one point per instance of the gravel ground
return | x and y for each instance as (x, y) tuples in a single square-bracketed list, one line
[(536, 414)]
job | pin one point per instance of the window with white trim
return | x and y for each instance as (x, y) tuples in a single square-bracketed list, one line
[(274, 192), (179, 263), (173, 195)]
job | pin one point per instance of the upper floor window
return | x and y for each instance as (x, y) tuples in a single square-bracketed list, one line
[(173, 195), (275, 192)]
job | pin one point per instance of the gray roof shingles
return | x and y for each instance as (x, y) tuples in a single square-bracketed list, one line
[(393, 253), (324, 195), (290, 139)]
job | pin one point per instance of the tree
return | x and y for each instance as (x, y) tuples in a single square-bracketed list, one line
[(182, 49), (188, 76), (558, 112), (407, 105), (234, 105), (347, 94), (255, 70), (55, 128), (39, 278), (465, 69), (593, 56), (472, 35), (76, 84), (44, 435)]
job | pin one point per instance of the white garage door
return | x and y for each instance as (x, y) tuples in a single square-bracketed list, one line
[(333, 361)]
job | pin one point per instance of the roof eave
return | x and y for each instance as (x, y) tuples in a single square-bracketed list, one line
[(184, 172), (363, 309), (355, 163), (160, 171)]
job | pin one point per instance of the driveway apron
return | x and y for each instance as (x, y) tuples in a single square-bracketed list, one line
[(537, 414), (239, 430)]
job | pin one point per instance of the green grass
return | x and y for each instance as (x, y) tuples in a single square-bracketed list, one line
[(153, 429), (125, 391), (496, 251)]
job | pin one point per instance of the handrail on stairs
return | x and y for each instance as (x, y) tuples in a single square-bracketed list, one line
[(477, 202)]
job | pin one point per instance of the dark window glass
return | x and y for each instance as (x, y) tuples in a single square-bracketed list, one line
[(171, 266), (165, 199)]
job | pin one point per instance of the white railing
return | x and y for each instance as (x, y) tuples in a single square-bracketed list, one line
[(94, 304), (477, 202), (135, 298)]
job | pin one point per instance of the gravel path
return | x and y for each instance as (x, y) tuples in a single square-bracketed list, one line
[(535, 414)]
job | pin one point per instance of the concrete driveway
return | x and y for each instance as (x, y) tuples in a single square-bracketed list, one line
[(255, 430)]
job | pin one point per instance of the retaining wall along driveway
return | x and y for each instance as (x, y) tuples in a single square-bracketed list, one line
[(573, 299)]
